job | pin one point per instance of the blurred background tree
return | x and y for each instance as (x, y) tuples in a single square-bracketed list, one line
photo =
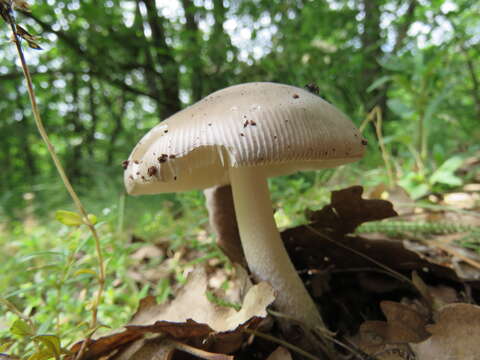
[(110, 70)]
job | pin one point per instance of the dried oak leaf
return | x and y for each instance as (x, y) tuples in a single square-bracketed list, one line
[(190, 316), (347, 210), (312, 247), (218, 319), (404, 325), (455, 334)]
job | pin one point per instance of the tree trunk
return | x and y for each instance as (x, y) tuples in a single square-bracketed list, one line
[(118, 127), (24, 132), (74, 155), (194, 49), (90, 137), (164, 57), (371, 48)]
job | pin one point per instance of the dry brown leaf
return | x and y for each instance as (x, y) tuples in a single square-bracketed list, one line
[(189, 316), (403, 325), (398, 196), (390, 340), (219, 319), (347, 210), (423, 289), (280, 353), (238, 286), (381, 351), (460, 200), (455, 335), (464, 262), (394, 352), (444, 295), (472, 187), (147, 252), (105, 345)]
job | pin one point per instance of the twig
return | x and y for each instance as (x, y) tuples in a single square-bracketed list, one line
[(438, 207), (377, 113), (375, 116), (318, 331), (453, 252), (17, 312), (281, 342), (202, 354), (392, 272)]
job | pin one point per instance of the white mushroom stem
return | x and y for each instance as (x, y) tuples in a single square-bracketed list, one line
[(266, 255)]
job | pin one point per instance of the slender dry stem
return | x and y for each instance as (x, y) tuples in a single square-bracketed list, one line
[(390, 271), (199, 353), (282, 342), (375, 116), (17, 312), (60, 169)]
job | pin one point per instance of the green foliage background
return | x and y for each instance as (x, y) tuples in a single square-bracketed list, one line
[(111, 70)]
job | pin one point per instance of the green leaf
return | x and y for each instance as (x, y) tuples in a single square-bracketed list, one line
[(22, 328), (393, 64), (435, 103), (399, 108), (415, 184), (51, 343), (445, 174), (68, 218), (85, 271), (379, 82), (92, 218), (71, 218), (5, 346), (42, 354)]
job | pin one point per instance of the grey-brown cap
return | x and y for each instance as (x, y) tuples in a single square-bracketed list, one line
[(279, 127)]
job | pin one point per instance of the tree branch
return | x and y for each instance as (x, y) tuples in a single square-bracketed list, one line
[(96, 70), (163, 53)]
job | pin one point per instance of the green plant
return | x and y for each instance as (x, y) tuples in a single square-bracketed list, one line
[(420, 183), (45, 346), (18, 33)]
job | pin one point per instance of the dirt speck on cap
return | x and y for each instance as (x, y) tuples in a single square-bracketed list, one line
[(152, 170), (162, 158)]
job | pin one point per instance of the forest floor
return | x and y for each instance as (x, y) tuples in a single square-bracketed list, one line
[(394, 279), (403, 288)]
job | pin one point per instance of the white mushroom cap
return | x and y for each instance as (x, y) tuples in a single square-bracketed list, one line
[(282, 128)]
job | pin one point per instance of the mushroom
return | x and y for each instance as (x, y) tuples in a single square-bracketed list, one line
[(242, 135)]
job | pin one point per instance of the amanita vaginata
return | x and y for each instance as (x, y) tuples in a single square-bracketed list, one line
[(242, 135)]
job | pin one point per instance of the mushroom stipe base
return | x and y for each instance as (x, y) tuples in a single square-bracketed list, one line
[(266, 255)]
